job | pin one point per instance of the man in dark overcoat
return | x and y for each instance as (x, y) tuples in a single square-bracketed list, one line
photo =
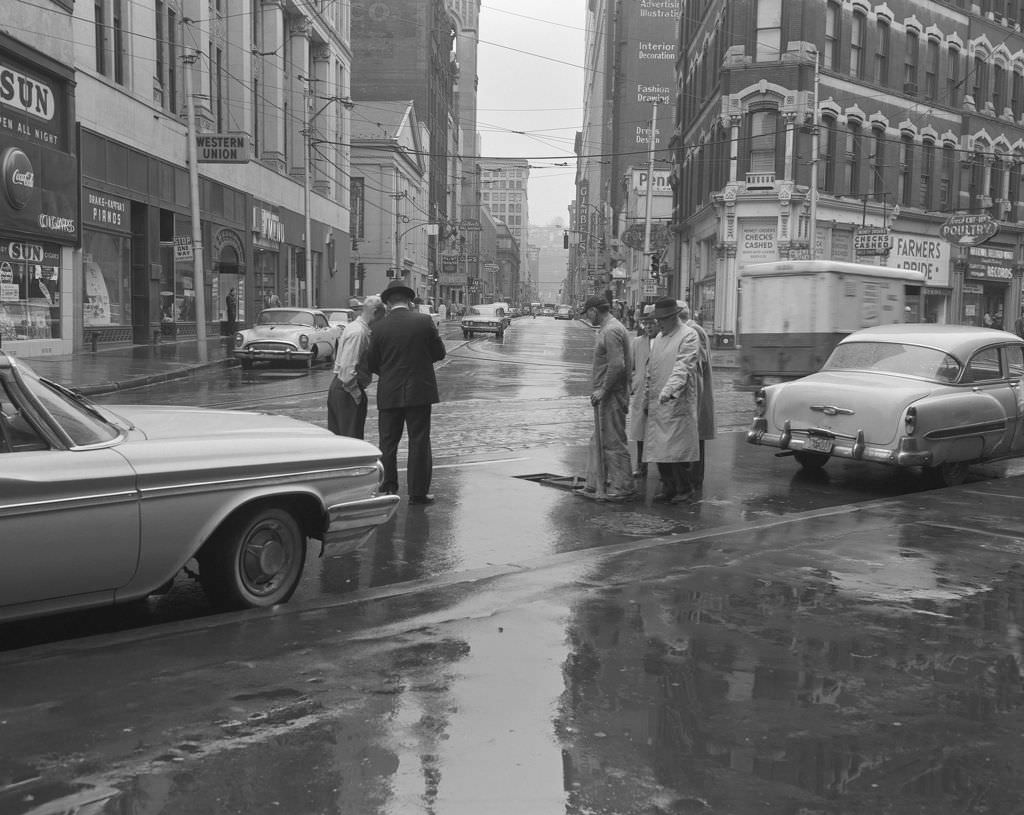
[(403, 349)]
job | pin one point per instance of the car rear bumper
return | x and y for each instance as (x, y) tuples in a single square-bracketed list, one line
[(349, 524), (483, 329), (905, 454)]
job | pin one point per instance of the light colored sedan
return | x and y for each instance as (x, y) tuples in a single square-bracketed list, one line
[(98, 507), (484, 319), (288, 335), (339, 317), (939, 397)]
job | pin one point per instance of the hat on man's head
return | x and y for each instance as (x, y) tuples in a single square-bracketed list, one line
[(394, 287), (665, 307), (597, 301), (648, 312)]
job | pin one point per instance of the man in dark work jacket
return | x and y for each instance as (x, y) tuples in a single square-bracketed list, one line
[(403, 349)]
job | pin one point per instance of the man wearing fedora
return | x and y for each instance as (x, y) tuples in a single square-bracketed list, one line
[(671, 438), (609, 474), (403, 349)]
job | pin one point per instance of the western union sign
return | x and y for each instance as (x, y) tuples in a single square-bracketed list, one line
[(226, 148)]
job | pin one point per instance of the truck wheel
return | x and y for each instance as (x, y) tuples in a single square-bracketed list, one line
[(255, 561), (948, 474), (811, 460)]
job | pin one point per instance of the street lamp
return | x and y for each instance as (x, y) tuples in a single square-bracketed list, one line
[(432, 229)]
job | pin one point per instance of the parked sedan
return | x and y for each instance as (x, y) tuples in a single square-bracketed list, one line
[(484, 320), (939, 397), (564, 313), (288, 335), (339, 317), (98, 507)]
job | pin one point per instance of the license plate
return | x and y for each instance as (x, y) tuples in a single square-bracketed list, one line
[(819, 444)]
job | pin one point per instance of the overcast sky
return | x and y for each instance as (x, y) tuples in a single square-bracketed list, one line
[(531, 80)]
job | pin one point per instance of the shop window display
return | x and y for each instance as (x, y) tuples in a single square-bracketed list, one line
[(106, 273), (29, 291)]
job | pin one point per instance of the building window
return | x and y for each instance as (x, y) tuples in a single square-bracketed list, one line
[(852, 159), (166, 80), (109, 32), (882, 54), (878, 145), (905, 191), (980, 81), (927, 174), (764, 125), (953, 77), (999, 96), (931, 70), (769, 30), (833, 16), (858, 30), (827, 155), (946, 182), (910, 63), (1016, 94)]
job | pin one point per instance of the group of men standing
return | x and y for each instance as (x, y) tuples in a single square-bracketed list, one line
[(399, 344), (662, 379)]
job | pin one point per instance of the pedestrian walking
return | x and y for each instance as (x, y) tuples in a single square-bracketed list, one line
[(443, 311), (231, 309), (671, 439), (640, 352), (403, 349), (346, 397), (705, 396), (1018, 325), (609, 474)]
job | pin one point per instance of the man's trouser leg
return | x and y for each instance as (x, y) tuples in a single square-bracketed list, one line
[(390, 424)]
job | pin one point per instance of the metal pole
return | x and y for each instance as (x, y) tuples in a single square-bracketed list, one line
[(650, 177), (814, 165), (198, 281), (306, 101)]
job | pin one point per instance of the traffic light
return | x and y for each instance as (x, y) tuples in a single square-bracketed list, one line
[(565, 240), (655, 267)]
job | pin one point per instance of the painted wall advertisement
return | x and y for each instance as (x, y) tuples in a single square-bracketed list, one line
[(38, 176), (648, 66)]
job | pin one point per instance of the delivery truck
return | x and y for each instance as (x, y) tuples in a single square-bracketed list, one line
[(794, 312)]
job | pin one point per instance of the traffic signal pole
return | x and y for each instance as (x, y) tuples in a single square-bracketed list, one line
[(650, 186)]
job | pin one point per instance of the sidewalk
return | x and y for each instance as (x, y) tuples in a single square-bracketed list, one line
[(131, 366)]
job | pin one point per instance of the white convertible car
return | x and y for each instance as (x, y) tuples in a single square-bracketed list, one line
[(938, 397)]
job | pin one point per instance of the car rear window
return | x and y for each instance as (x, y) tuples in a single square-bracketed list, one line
[(896, 358)]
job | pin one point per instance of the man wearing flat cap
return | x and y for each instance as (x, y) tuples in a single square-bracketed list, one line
[(609, 474), (403, 349), (671, 438)]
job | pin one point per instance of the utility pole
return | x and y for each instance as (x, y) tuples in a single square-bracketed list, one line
[(198, 279), (307, 101), (813, 254)]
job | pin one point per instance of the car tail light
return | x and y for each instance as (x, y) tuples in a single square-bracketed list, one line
[(910, 421), (239, 340), (303, 342), (760, 402)]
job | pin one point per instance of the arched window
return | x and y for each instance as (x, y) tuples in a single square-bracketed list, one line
[(764, 131), (999, 95), (946, 188), (905, 189), (878, 163), (979, 81), (882, 53), (827, 142), (927, 174), (910, 63), (833, 18)]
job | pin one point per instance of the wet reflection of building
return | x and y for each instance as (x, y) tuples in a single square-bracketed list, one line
[(737, 690)]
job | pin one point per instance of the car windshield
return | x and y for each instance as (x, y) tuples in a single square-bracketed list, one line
[(483, 311), (895, 358), (339, 316), (284, 317), (78, 417)]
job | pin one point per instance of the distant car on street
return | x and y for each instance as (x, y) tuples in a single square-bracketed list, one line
[(339, 317), (288, 335), (484, 319), (564, 313), (100, 507), (938, 397)]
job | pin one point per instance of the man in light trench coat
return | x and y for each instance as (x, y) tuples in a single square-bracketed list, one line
[(640, 351), (671, 439), (705, 395)]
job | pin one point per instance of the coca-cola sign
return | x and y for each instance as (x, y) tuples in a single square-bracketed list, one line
[(19, 178)]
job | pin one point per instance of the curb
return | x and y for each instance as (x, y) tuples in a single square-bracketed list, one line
[(153, 379)]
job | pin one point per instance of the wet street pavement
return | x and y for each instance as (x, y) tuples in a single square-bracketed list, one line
[(831, 643)]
